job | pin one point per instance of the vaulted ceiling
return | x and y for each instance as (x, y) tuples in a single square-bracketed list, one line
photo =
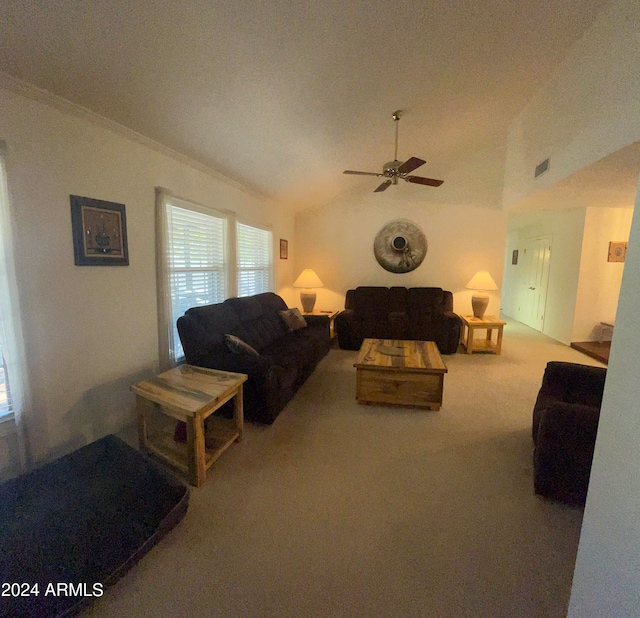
[(284, 95)]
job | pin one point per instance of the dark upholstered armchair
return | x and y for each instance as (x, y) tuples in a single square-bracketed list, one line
[(565, 424)]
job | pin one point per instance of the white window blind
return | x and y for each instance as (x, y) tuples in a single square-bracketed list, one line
[(196, 262), (203, 257), (253, 260)]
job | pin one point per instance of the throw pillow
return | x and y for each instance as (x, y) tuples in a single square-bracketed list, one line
[(293, 318), (237, 346)]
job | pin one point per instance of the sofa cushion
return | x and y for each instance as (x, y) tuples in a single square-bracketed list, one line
[(371, 301), (397, 301), (245, 308), (207, 326), (293, 319), (423, 300), (237, 346), (297, 349), (258, 315)]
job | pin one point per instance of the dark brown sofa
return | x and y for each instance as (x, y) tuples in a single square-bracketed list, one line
[(422, 314), (565, 424), (284, 359)]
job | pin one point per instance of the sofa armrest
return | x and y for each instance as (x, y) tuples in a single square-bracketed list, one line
[(561, 377), (449, 326), (344, 325), (569, 383), (451, 318), (564, 451)]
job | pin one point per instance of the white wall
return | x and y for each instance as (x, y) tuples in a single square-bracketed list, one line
[(337, 242), (589, 109), (599, 282), (92, 331), (566, 230), (607, 575)]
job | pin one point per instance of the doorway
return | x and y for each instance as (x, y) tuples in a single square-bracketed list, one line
[(535, 282)]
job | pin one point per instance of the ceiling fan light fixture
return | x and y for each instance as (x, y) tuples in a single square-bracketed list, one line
[(399, 169)]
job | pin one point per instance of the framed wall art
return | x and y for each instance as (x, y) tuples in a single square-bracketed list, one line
[(99, 232), (284, 249), (617, 251), (400, 246)]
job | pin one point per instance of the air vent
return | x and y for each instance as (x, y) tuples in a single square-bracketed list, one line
[(541, 168)]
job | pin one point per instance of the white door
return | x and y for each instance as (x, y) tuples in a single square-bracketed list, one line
[(533, 294)]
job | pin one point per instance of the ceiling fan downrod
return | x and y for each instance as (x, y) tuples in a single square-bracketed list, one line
[(396, 117)]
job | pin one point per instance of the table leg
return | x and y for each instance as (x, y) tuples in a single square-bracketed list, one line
[(238, 412), (489, 334), (499, 342), (469, 339), (196, 450), (141, 408)]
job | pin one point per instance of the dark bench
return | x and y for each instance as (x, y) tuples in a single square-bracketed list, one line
[(81, 521)]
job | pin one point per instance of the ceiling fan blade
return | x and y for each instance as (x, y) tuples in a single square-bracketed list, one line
[(383, 186), (419, 180), (361, 173), (410, 164)]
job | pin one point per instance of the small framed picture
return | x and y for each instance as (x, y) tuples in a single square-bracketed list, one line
[(617, 251), (284, 249), (99, 232), (514, 257)]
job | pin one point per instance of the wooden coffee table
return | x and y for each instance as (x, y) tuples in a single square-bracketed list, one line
[(191, 394), (397, 372)]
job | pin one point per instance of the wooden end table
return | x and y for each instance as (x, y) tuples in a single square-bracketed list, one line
[(191, 394), (397, 372), (330, 313), (490, 323)]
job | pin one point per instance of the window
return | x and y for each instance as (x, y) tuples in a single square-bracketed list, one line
[(14, 391), (5, 395), (191, 264), (254, 249), (204, 256)]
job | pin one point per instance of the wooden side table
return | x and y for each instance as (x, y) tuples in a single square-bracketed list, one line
[(330, 313), (191, 394), (490, 323)]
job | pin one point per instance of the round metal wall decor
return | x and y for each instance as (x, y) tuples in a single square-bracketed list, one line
[(400, 246)]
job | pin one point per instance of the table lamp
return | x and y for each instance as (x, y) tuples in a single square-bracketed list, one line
[(308, 280), (481, 282)]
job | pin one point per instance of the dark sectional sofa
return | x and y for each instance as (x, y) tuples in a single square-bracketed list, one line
[(565, 423), (284, 360), (422, 314)]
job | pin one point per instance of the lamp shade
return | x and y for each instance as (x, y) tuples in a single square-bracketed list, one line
[(482, 280), (308, 279)]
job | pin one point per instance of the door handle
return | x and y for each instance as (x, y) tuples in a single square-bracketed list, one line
[(532, 288)]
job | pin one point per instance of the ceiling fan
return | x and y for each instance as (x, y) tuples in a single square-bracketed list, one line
[(398, 169)]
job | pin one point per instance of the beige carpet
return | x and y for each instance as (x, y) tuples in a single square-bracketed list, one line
[(341, 510)]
